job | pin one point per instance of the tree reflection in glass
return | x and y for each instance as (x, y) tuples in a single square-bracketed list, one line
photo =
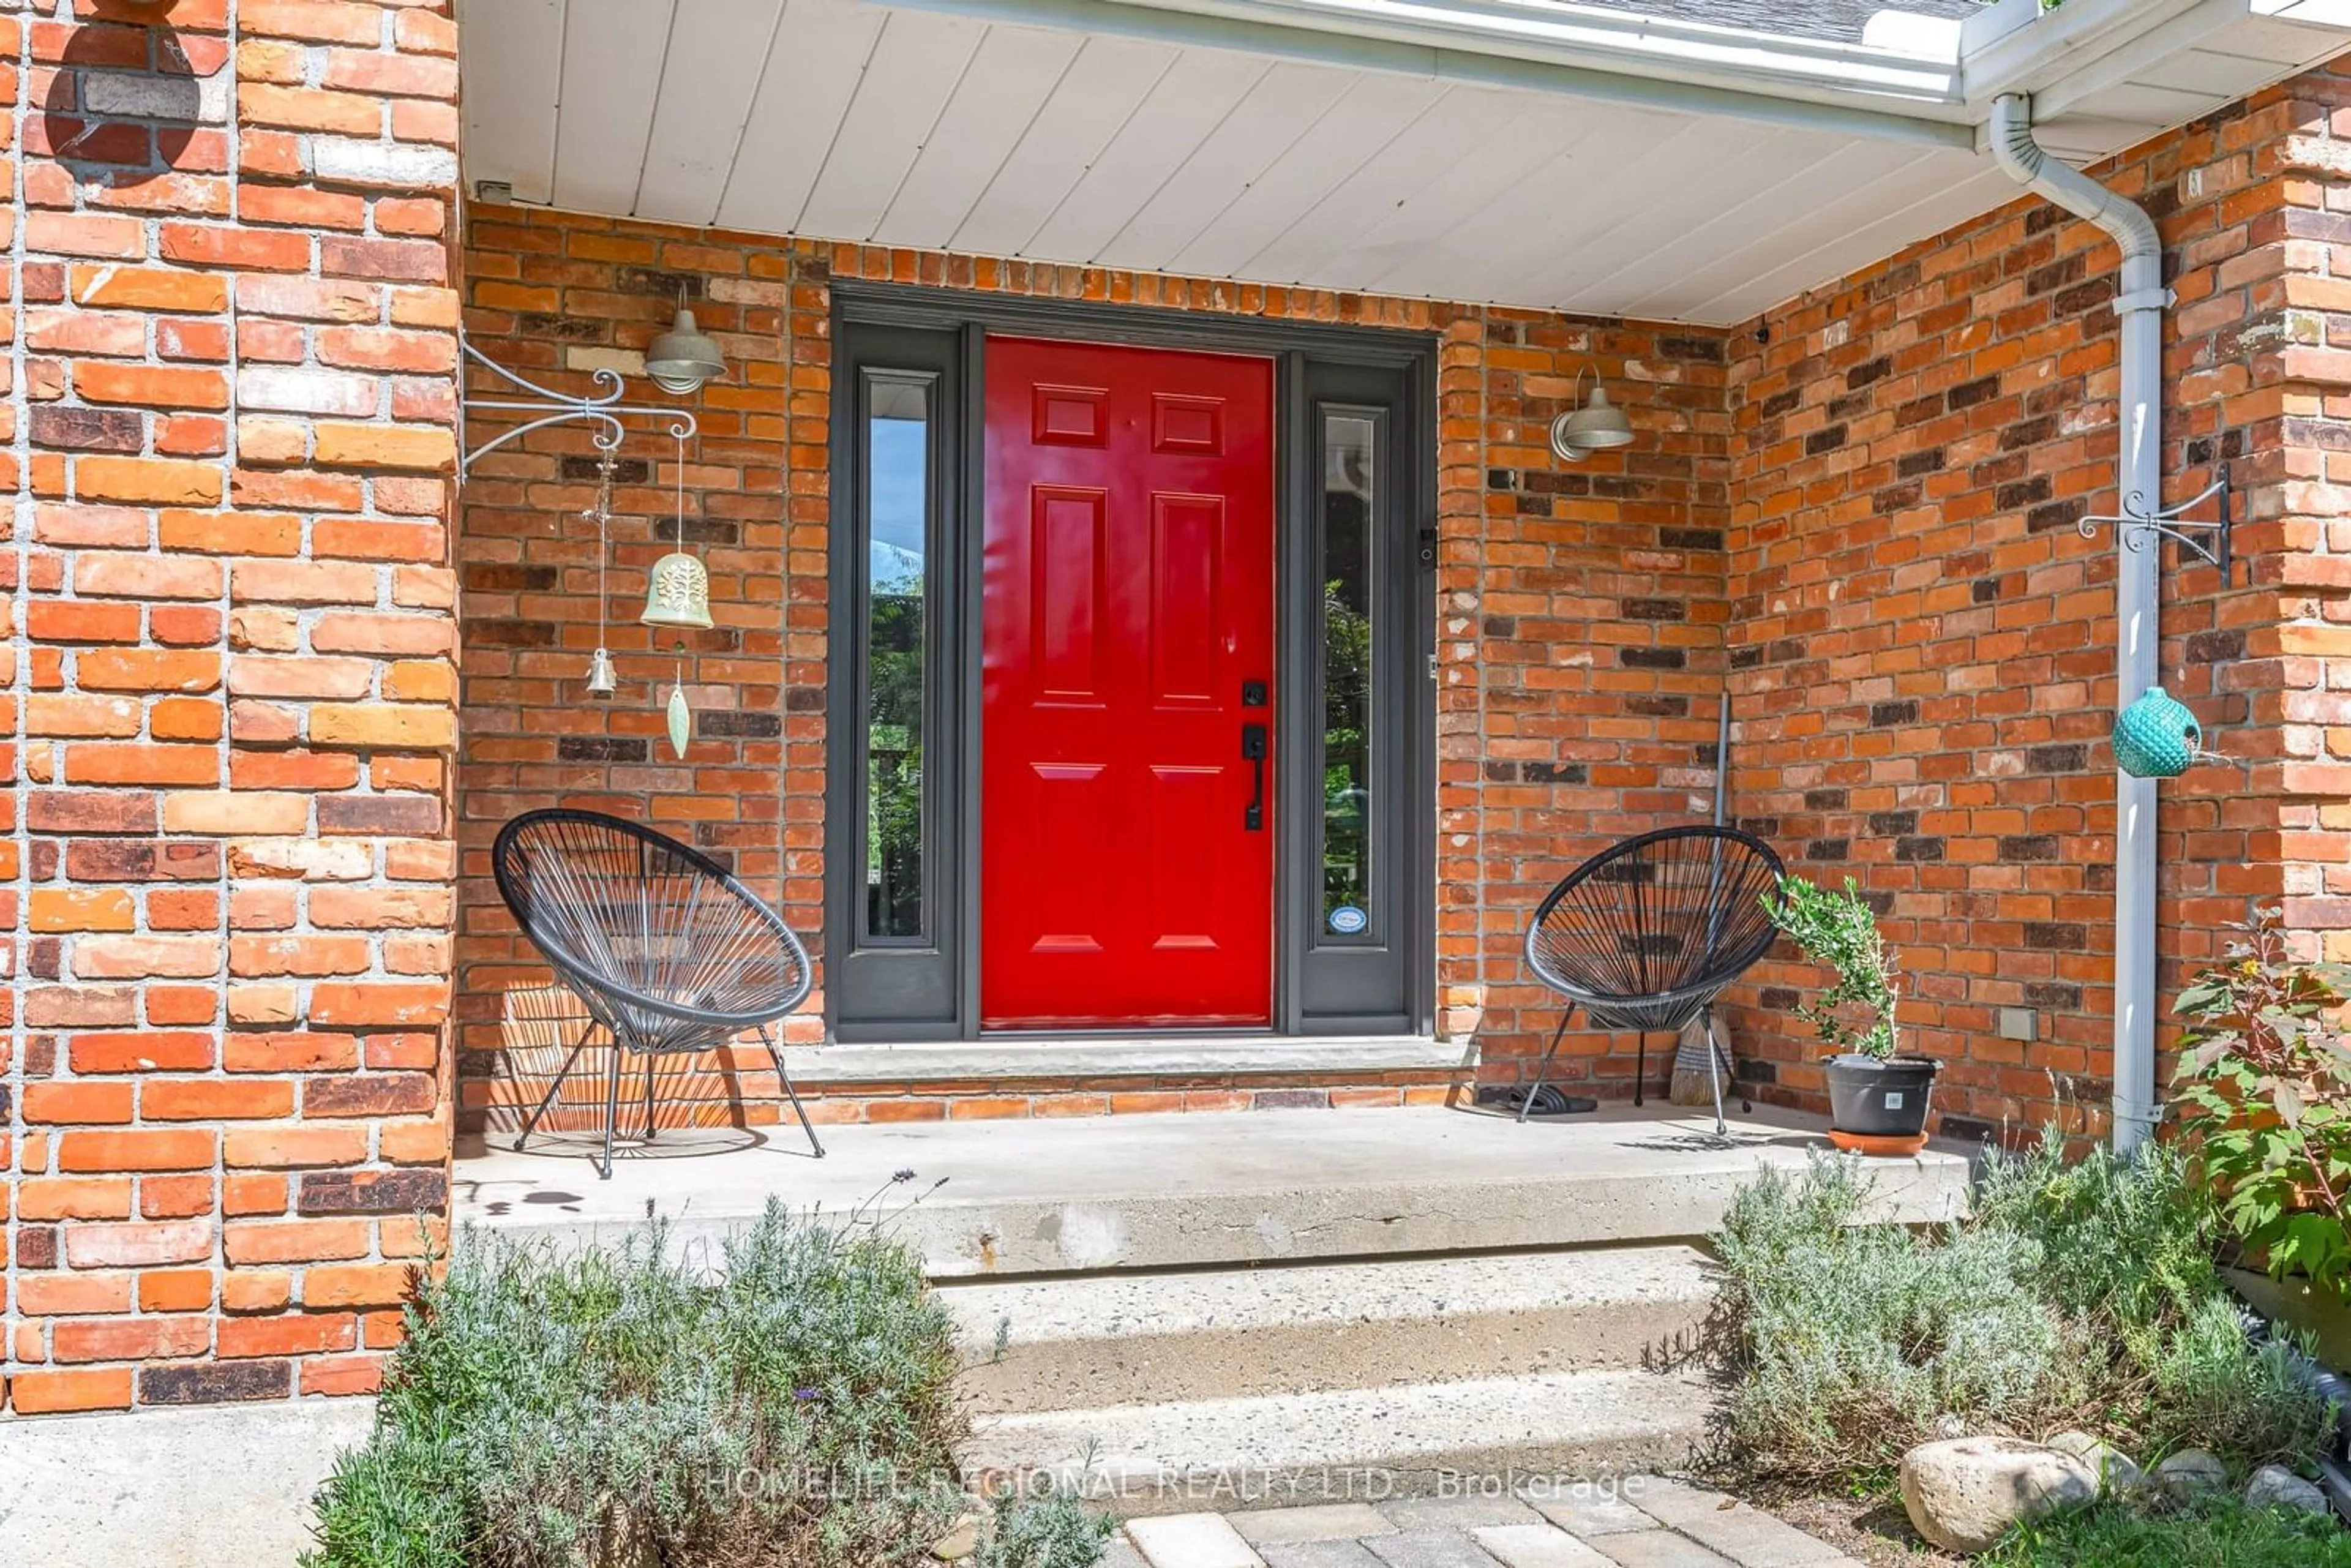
[(896, 641), (1349, 468)]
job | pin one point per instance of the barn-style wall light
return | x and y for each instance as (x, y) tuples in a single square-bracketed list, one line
[(681, 358), (1596, 425)]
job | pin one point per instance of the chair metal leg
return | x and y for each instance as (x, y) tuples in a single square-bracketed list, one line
[(612, 1110), (799, 1110), (555, 1088), (1714, 1070), (650, 1060), (1640, 1066), (1543, 1068)]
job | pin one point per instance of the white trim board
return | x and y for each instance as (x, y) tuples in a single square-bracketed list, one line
[(1016, 1058)]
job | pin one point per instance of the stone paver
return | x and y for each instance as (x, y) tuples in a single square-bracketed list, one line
[(1747, 1536), (1658, 1548), (1594, 1514), (1321, 1521), (1192, 1540), (1428, 1548), (1320, 1554), (1455, 1513), (1536, 1546), (1650, 1522)]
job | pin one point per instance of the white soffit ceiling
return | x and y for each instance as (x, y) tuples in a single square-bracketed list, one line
[(1126, 136)]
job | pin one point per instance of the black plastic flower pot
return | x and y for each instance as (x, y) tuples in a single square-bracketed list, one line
[(1873, 1099)]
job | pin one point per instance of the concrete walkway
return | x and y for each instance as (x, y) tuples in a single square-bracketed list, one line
[(1642, 1522)]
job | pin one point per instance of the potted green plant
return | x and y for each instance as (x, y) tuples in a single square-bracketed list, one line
[(1878, 1099)]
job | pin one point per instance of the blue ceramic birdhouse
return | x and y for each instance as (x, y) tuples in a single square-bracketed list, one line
[(2156, 737)]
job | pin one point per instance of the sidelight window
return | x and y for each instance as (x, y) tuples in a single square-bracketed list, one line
[(1351, 505), (899, 442)]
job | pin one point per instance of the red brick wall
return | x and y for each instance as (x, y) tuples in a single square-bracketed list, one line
[(231, 689), (1921, 644), (1569, 601)]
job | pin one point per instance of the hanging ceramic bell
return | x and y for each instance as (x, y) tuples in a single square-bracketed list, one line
[(2156, 737), (681, 718), (601, 680), (678, 594)]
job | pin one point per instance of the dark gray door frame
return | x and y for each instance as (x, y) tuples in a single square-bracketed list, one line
[(895, 996)]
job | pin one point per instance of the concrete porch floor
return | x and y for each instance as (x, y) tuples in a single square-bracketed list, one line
[(1187, 1190)]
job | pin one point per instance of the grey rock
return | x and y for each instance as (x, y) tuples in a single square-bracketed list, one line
[(959, 1542), (2189, 1471), (1965, 1493), (2116, 1470), (2274, 1486)]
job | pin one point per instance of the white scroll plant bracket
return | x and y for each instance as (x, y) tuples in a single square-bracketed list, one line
[(602, 410), (2138, 524)]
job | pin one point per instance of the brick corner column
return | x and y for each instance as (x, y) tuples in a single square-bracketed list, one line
[(232, 396)]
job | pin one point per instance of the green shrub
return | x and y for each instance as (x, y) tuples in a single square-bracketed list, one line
[(2221, 1533), (622, 1408), (2079, 1293), (1850, 1341), (2263, 1091), (1055, 1531)]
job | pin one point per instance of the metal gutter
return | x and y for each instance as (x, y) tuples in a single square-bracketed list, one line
[(2025, 50), (1617, 40), (2138, 481), (1341, 39)]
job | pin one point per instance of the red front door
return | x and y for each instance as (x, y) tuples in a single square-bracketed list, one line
[(1126, 836)]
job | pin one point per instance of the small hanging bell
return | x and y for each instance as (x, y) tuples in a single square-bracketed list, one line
[(677, 593), (601, 680), (681, 718)]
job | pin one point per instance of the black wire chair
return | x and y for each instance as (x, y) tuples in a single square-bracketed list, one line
[(669, 953), (1646, 934)]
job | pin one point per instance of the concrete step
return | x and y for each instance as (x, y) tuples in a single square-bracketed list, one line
[(1537, 1434), (1130, 1338), (1188, 1191)]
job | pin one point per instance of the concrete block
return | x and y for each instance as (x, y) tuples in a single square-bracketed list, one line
[(1537, 1546), (1192, 1540), (1131, 1339), (193, 1488), (1455, 1513), (1322, 1521), (1320, 1554), (1747, 1536), (1186, 1190), (1428, 1548), (1593, 1512), (1416, 1440), (1658, 1548)]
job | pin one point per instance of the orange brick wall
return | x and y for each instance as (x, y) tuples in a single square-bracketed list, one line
[(1921, 644), (230, 869), (1569, 600), (230, 689)]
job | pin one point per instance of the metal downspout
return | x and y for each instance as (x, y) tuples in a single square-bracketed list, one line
[(2138, 482)]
